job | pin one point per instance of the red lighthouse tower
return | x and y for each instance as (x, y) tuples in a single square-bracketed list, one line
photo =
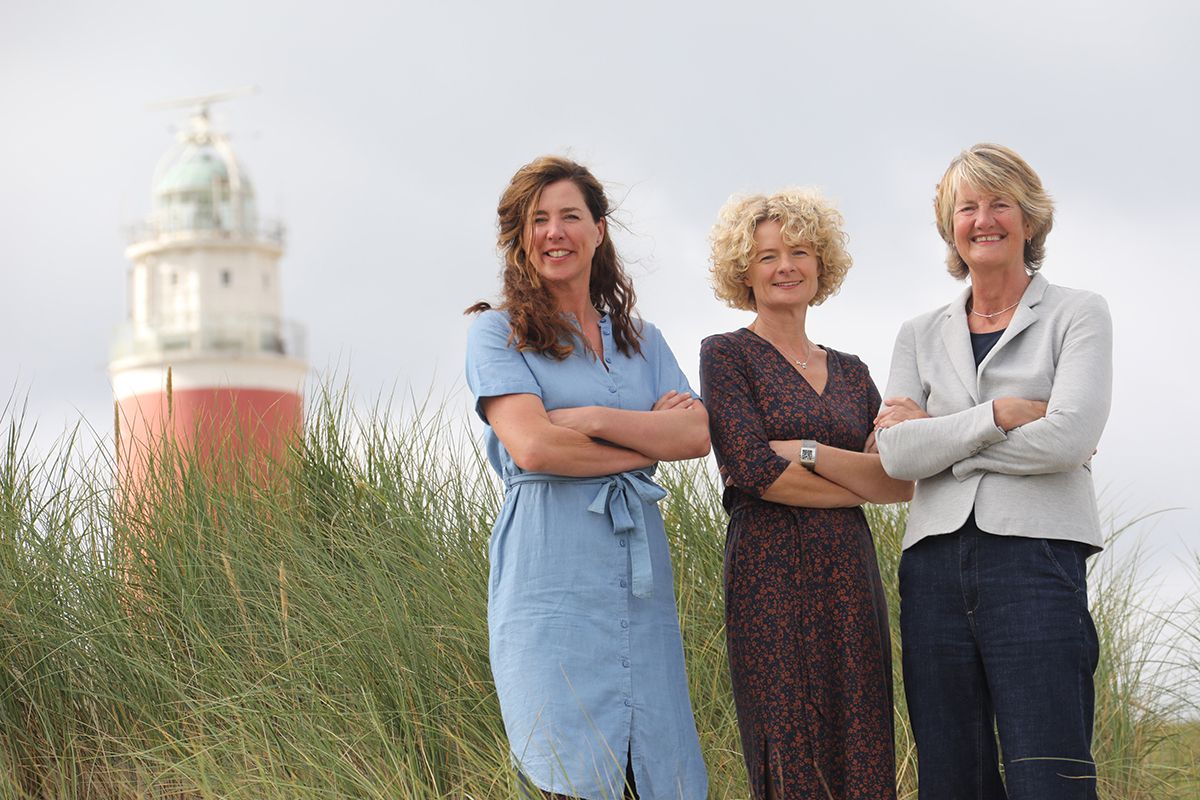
[(205, 357)]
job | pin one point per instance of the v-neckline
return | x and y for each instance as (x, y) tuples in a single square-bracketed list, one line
[(799, 374)]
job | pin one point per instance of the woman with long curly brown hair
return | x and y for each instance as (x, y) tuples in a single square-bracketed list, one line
[(581, 400)]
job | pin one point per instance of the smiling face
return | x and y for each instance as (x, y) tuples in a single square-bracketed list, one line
[(989, 230), (781, 274), (563, 236)]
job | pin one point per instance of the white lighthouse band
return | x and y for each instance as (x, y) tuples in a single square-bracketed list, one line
[(285, 377)]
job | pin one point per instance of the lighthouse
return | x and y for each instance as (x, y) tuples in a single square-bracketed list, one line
[(205, 358)]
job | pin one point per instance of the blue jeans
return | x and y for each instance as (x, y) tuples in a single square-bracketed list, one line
[(998, 640)]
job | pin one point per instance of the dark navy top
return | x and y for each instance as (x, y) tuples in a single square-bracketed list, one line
[(982, 344)]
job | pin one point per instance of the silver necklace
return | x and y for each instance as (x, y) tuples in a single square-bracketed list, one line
[(995, 314), (801, 364)]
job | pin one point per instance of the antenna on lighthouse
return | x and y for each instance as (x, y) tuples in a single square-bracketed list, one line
[(201, 102)]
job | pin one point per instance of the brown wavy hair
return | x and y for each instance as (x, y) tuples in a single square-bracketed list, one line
[(536, 322)]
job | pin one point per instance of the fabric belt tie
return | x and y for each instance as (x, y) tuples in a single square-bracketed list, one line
[(620, 496)]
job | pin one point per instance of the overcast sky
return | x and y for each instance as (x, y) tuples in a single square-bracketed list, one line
[(384, 133)]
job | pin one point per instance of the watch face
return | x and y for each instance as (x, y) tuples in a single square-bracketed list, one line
[(808, 454)]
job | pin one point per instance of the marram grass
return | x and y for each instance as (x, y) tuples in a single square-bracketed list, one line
[(324, 635)]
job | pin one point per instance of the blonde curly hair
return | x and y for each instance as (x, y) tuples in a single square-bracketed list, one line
[(805, 216)]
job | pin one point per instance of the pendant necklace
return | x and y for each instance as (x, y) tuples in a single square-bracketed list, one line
[(802, 364)]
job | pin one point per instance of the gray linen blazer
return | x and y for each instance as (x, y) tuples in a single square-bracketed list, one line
[(1036, 480)]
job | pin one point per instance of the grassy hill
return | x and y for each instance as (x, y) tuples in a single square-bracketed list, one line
[(323, 635)]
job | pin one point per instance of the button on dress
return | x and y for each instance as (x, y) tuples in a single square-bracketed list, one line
[(584, 635)]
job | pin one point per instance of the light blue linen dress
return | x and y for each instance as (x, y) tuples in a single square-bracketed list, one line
[(585, 644)]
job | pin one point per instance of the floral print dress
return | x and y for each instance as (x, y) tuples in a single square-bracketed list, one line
[(806, 617)]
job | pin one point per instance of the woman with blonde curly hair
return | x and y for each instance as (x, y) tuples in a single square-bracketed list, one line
[(791, 425), (582, 400)]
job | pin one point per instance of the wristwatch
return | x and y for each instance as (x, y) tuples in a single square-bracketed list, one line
[(808, 454)]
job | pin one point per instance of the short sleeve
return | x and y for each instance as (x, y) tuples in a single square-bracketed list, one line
[(494, 366), (667, 374)]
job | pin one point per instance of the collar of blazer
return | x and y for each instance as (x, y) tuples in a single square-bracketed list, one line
[(957, 337)]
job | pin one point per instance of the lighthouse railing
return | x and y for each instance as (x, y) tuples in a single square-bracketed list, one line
[(227, 334), (203, 228)]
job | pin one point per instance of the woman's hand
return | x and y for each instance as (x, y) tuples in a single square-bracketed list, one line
[(537, 445), (1008, 412), (674, 429), (897, 410), (818, 492), (859, 473), (585, 419), (673, 399), (576, 419), (1013, 412), (786, 448)]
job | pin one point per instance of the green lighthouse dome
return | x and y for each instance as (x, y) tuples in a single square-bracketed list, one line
[(199, 186)]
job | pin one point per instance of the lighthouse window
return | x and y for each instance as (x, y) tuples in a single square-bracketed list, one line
[(226, 278)]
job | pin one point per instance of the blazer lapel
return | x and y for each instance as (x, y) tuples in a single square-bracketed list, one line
[(1025, 315), (957, 340)]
